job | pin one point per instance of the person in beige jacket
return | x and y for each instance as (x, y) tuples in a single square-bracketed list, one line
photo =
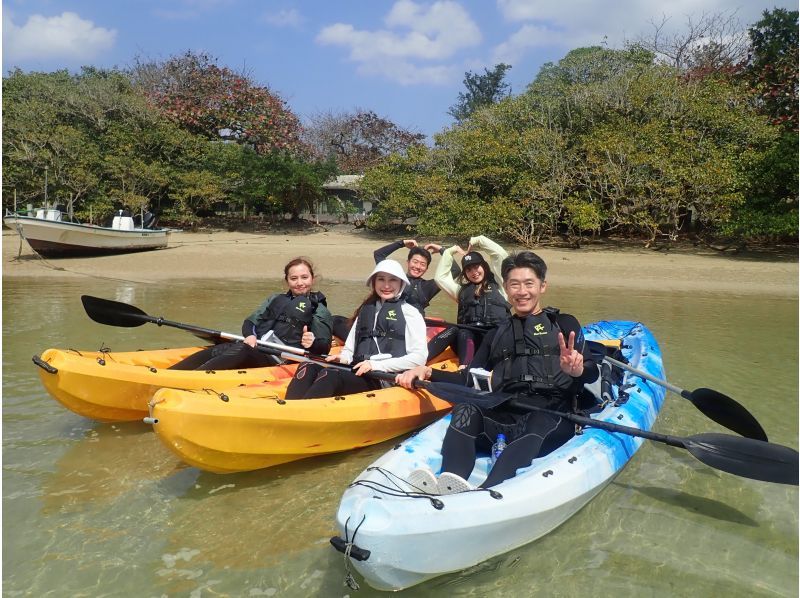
[(482, 301)]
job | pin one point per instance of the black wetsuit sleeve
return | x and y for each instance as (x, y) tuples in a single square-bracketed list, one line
[(322, 327), (249, 325), (429, 290), (384, 252), (248, 328), (568, 323)]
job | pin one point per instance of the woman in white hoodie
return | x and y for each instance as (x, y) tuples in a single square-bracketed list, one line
[(387, 335)]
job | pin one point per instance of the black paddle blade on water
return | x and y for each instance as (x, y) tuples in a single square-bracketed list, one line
[(114, 313), (726, 412), (746, 457)]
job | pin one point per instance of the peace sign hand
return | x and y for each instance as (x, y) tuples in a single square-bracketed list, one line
[(571, 360)]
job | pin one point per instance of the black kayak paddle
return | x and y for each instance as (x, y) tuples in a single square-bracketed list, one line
[(714, 405), (745, 457)]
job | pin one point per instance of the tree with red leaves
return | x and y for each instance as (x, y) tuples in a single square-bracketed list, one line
[(358, 140), (218, 103)]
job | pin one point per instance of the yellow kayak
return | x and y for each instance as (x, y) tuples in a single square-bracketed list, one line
[(253, 427), (116, 386), (110, 386)]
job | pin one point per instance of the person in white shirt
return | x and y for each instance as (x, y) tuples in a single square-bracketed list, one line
[(387, 335)]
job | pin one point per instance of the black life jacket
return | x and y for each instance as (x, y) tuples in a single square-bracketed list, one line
[(525, 357), (389, 331), (413, 294), (489, 309), (287, 315)]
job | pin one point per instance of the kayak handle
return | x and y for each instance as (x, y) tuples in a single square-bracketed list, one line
[(359, 554), (44, 365)]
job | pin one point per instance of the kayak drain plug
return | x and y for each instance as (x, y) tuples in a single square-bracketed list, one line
[(150, 420)]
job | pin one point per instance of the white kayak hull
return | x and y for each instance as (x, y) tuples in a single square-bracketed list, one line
[(410, 540)]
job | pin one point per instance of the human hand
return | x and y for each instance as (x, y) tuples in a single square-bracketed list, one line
[(250, 340), (433, 247), (571, 361), (458, 252), (406, 379), (332, 358), (410, 243), (362, 367), (307, 339)]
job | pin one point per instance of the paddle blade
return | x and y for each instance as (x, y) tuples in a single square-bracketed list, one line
[(726, 412), (746, 457), (455, 393), (114, 313)]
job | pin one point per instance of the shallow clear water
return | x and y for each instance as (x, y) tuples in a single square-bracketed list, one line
[(95, 509)]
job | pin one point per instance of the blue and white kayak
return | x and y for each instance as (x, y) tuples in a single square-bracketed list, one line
[(397, 537)]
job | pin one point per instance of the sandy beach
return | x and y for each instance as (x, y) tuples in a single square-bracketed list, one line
[(344, 255)]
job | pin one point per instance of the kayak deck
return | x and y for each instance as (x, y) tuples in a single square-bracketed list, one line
[(253, 427), (411, 537)]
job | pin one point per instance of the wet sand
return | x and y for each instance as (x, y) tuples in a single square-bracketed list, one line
[(343, 256)]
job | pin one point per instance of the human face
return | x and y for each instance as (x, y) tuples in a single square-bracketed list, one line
[(417, 266), (524, 290), (299, 279), (386, 286), (474, 274)]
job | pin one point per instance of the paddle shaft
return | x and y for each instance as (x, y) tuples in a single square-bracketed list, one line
[(746, 457), (610, 426), (436, 322), (647, 376)]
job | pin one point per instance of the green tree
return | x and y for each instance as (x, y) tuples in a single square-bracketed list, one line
[(481, 91)]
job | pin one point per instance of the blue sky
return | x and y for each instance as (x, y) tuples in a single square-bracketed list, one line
[(404, 59)]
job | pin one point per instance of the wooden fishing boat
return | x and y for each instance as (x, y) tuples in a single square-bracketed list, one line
[(51, 236)]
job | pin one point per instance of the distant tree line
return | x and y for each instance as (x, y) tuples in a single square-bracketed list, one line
[(694, 132), (697, 132), (181, 136)]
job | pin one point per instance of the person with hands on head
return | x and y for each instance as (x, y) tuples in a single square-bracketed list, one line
[(387, 335), (298, 317), (540, 355), (481, 300)]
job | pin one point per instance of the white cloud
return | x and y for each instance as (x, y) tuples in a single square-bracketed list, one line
[(413, 33), (527, 37), (284, 18), (66, 36), (576, 23)]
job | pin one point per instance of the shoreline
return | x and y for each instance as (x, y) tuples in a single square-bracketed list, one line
[(347, 256)]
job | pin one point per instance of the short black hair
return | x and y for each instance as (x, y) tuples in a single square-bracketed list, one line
[(524, 259), (420, 251)]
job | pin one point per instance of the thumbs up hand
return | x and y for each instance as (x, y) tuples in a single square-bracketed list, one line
[(307, 339)]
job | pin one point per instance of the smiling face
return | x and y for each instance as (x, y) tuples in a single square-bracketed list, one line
[(386, 286), (475, 274), (299, 279), (417, 266), (524, 290)]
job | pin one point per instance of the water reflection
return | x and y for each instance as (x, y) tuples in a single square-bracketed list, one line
[(95, 509)]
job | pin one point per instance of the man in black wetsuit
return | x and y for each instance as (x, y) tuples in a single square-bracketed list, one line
[(538, 354)]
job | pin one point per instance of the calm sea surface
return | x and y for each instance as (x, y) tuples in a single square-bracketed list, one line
[(95, 509)]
